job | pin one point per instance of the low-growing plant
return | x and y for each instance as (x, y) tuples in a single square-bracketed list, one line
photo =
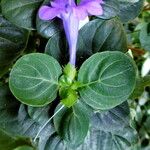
[(70, 73)]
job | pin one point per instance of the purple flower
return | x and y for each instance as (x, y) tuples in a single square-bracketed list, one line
[(71, 14)]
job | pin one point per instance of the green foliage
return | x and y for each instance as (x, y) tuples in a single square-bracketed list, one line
[(94, 94), (18, 10), (108, 79), (124, 9), (72, 125), (12, 43), (145, 36), (33, 77)]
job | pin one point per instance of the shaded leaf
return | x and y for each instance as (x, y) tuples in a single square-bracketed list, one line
[(72, 125), (12, 43), (20, 12)]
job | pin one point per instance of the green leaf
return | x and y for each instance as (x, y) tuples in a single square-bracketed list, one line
[(8, 105), (145, 36), (15, 120), (126, 10), (141, 83), (8, 142), (129, 9), (72, 125), (110, 9), (48, 28), (113, 119), (139, 89), (12, 43), (34, 79), (39, 115), (116, 140), (20, 12), (103, 35), (109, 130), (110, 82), (68, 97), (54, 142), (57, 47)]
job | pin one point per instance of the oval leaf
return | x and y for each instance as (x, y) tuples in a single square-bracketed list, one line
[(72, 125), (34, 79), (108, 78), (21, 12)]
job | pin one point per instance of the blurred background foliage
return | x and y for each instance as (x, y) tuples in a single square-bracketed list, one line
[(139, 43)]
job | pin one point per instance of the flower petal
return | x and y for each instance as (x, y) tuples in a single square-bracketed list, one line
[(48, 13), (81, 12), (92, 7), (62, 3), (71, 26), (87, 1)]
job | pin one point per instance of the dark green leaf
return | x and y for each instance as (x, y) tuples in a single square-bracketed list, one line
[(17, 122), (129, 9), (113, 119), (72, 124), (110, 9), (110, 130), (103, 140), (57, 47), (103, 35), (8, 105), (124, 9), (21, 12), (109, 82), (145, 36), (100, 137), (12, 42), (34, 79), (54, 142)]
